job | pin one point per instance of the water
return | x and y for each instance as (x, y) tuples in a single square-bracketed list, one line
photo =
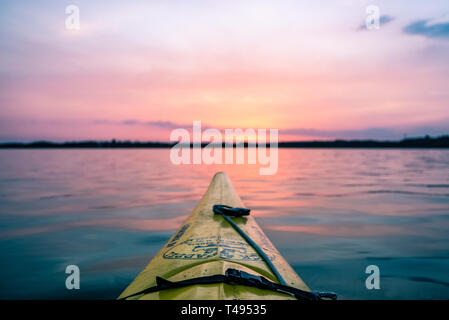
[(331, 213)]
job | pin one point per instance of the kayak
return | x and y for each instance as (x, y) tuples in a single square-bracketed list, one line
[(207, 258)]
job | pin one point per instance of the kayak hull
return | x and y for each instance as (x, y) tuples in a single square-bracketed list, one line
[(206, 244)]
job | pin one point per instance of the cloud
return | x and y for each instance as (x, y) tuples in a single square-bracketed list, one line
[(370, 133), (428, 29), (169, 125), (163, 124), (132, 122), (159, 124), (436, 128), (384, 19), (375, 133)]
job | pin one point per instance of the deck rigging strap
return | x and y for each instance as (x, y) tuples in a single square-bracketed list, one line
[(226, 212), (238, 277)]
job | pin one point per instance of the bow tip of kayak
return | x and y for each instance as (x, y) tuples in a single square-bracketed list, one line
[(220, 174)]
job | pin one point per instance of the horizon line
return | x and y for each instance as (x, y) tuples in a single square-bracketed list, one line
[(425, 141)]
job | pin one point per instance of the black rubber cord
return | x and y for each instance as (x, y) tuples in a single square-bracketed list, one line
[(224, 210)]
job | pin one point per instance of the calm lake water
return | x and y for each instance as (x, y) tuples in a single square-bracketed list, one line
[(331, 213)]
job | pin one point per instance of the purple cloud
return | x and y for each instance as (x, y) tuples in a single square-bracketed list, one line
[(430, 30)]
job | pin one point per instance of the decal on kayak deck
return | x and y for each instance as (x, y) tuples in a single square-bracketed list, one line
[(213, 246), (178, 235)]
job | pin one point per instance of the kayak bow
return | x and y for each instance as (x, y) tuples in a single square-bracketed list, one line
[(208, 248)]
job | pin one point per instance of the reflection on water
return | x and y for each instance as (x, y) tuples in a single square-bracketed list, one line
[(331, 213)]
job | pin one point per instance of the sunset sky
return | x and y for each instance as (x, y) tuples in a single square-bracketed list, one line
[(138, 69)]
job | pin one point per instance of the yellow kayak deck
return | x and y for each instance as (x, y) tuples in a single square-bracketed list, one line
[(206, 244)]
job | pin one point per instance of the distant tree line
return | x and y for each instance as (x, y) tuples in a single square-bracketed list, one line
[(420, 142)]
